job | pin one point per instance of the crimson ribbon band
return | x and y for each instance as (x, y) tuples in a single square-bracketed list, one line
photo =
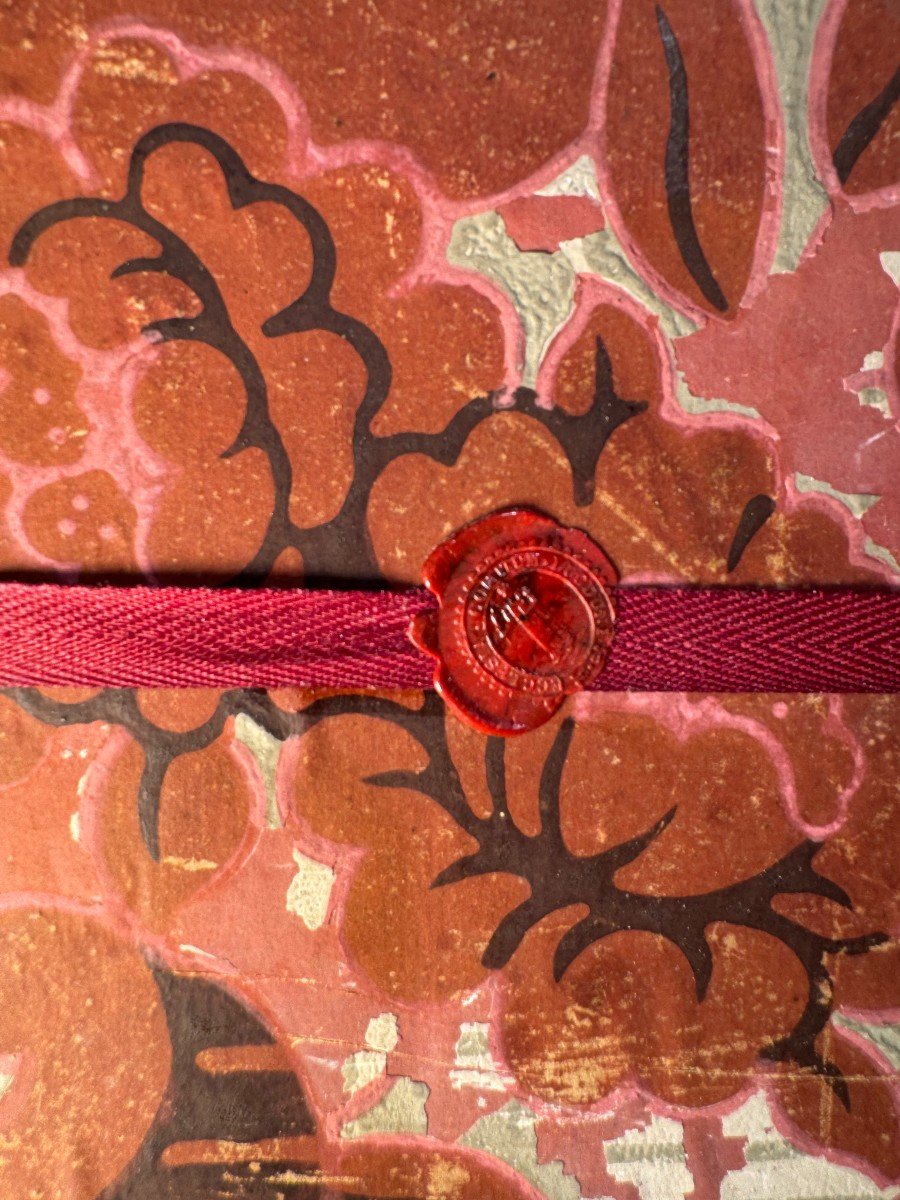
[(667, 638)]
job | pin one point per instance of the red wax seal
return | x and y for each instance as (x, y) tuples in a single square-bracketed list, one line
[(525, 618)]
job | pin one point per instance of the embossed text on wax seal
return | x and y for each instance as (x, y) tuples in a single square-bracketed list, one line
[(525, 618)]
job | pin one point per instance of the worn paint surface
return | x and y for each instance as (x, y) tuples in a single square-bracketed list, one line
[(635, 265)]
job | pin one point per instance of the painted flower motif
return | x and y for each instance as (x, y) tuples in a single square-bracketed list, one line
[(662, 899), (106, 795), (80, 1118), (231, 354), (841, 353), (237, 358), (667, 503), (284, 291)]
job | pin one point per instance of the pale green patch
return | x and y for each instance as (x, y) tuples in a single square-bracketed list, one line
[(882, 554), (361, 1068), (791, 28), (875, 397), (474, 1066), (652, 1160), (890, 262), (885, 1038), (310, 890), (580, 179), (602, 254), (510, 1135), (383, 1032), (402, 1110), (699, 405), (872, 396), (265, 749), (6, 1082), (857, 503), (774, 1168), (541, 286)]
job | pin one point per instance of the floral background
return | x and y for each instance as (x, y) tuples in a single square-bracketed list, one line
[(290, 294)]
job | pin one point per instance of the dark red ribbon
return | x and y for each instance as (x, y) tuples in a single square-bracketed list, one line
[(667, 638)]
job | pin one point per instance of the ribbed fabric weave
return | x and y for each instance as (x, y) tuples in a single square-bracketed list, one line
[(667, 638)]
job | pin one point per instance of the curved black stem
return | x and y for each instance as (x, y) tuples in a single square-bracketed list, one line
[(340, 548), (678, 187), (863, 128), (557, 878)]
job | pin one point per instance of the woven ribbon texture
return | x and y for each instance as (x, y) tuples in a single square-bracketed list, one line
[(667, 639)]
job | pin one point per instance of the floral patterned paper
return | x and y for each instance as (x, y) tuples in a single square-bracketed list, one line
[(289, 296)]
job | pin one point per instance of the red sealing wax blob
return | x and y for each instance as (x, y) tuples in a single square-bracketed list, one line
[(525, 618)]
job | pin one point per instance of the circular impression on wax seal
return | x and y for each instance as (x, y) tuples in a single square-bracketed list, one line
[(525, 618)]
